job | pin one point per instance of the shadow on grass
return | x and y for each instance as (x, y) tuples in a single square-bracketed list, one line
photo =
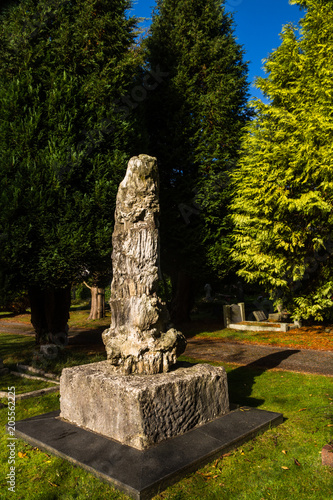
[(242, 379), (92, 337), (17, 344)]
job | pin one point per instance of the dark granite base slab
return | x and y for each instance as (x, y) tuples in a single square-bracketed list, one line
[(143, 474)]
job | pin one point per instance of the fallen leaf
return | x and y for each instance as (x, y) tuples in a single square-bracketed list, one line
[(284, 467), (297, 462), (284, 451), (21, 455), (302, 409)]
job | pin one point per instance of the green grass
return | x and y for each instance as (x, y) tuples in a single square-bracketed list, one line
[(78, 318), (16, 318), (22, 384), (264, 468), (230, 335), (22, 349)]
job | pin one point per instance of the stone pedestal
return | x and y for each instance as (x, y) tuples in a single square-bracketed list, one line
[(142, 410)]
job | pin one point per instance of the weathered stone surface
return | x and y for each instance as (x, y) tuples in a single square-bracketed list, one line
[(260, 315), (140, 338), (235, 313), (275, 317), (140, 411)]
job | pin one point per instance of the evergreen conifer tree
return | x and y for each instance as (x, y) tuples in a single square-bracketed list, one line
[(284, 187), (194, 121), (64, 142)]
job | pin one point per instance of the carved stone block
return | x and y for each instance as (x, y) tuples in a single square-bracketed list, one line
[(141, 411)]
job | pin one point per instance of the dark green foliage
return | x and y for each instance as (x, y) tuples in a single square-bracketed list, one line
[(284, 188), (64, 145), (194, 120)]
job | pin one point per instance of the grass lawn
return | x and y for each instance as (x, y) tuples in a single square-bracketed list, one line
[(22, 384), (283, 463), (78, 319), (22, 349)]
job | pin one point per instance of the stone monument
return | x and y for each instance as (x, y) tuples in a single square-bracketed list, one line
[(139, 396), (140, 339), (235, 313)]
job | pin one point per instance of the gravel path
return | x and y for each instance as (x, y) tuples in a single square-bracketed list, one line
[(17, 328)]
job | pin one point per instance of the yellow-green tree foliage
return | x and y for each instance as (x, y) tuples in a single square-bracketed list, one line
[(284, 186)]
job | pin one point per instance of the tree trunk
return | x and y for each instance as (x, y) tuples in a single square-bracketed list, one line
[(97, 308), (50, 313), (183, 297)]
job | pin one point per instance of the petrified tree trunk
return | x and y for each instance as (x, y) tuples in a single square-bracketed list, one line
[(140, 339), (50, 313)]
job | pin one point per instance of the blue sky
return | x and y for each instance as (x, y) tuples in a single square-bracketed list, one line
[(257, 27)]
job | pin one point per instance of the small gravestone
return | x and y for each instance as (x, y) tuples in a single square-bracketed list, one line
[(260, 315), (275, 317), (235, 313)]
